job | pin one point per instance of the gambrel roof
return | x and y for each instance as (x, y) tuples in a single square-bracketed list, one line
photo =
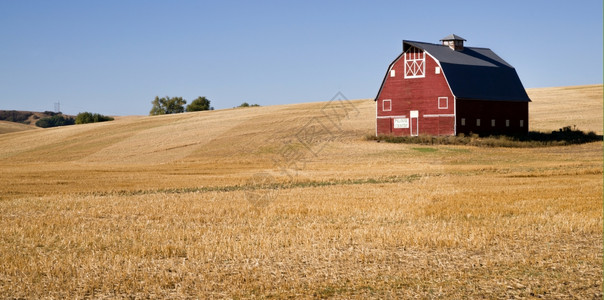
[(473, 73)]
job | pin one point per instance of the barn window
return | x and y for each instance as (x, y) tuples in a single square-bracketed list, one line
[(521, 123), (507, 123), (392, 73), (443, 102), (386, 105), (463, 121), (477, 122), (437, 70), (415, 63), (493, 123)]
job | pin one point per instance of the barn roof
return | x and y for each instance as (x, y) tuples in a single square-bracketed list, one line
[(475, 73)]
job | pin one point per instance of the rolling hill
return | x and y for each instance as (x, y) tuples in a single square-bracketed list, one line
[(24, 117), (553, 108), (229, 145), (161, 139), (8, 127)]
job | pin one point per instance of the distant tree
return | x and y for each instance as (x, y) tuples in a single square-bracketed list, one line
[(245, 104), (167, 105), (159, 107), (54, 121), (86, 117), (199, 104)]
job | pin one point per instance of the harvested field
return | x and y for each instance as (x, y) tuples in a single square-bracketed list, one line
[(292, 201)]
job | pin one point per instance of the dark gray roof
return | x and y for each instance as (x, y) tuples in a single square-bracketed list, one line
[(475, 73), (452, 37)]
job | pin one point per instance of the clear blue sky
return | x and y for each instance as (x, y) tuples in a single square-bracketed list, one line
[(114, 57)]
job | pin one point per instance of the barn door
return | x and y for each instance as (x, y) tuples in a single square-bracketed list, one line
[(414, 124)]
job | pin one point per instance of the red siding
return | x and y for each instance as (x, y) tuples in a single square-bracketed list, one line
[(446, 126), (384, 127), (419, 94)]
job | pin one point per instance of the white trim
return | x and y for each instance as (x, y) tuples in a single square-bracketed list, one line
[(450, 90), (390, 117), (438, 115), (414, 114), (386, 75), (437, 70), (384, 102), (392, 73), (443, 72), (446, 102), (454, 114), (376, 117), (417, 63)]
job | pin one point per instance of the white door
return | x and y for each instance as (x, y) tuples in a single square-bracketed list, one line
[(414, 124)]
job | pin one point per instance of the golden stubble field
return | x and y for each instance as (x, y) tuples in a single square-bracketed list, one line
[(292, 202)]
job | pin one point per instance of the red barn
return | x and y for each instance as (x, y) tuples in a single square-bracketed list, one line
[(448, 89)]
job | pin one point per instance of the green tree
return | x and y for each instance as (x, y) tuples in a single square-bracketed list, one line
[(199, 104), (167, 105), (245, 104), (86, 117), (54, 121)]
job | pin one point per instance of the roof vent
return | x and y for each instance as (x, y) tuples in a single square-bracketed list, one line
[(454, 42)]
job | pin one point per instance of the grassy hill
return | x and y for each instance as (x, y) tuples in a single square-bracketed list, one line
[(194, 136), (292, 201), (8, 127), (15, 120), (553, 108)]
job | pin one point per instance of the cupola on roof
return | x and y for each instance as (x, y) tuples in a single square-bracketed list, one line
[(455, 42), (453, 37)]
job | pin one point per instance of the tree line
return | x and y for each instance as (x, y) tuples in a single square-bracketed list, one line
[(58, 119), (175, 105), (160, 106)]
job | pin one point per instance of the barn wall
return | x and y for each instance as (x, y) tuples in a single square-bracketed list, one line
[(421, 94), (486, 111), (383, 126)]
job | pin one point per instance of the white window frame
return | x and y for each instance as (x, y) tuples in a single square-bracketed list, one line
[(415, 63), (446, 102), (389, 105)]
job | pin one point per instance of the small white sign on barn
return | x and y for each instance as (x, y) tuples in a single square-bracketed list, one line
[(401, 123)]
